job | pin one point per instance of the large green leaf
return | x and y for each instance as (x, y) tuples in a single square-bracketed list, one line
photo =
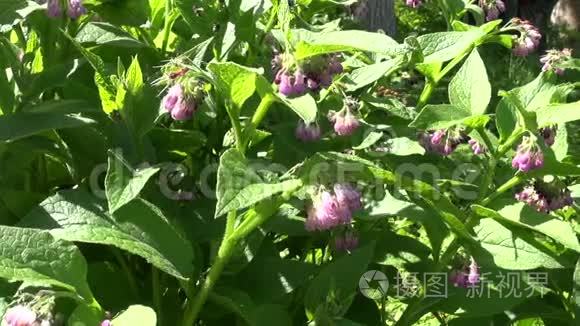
[(509, 250), (338, 41), (136, 315), (444, 46), (558, 113), (23, 124), (470, 88), (442, 116), (521, 215), (576, 289), (139, 228), (106, 34), (339, 279), (127, 12), (13, 11), (123, 184), (304, 106), (239, 186), (367, 75), (37, 258), (236, 82)]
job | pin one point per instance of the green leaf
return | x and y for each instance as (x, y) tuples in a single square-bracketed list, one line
[(370, 139), (239, 186), (339, 41), (106, 34), (134, 78), (85, 314), (23, 124), (136, 315), (367, 75), (444, 46), (138, 228), (339, 279), (13, 11), (576, 288), (439, 116), (390, 105), (124, 13), (271, 314), (470, 88), (506, 118), (558, 113), (236, 82), (122, 183), (524, 216), (37, 258), (304, 106), (509, 250)]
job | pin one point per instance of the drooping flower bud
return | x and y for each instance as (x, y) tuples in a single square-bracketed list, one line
[(307, 133), (492, 8), (345, 123), (529, 38), (75, 9), (528, 156), (184, 109), (553, 58), (549, 134), (346, 242), (19, 316), (477, 147), (106, 322), (332, 209), (174, 95), (414, 3), (473, 276), (295, 78), (545, 197), (54, 9), (458, 278), (443, 141), (348, 196)]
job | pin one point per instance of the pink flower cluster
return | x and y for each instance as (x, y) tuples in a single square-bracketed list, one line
[(477, 147), (332, 209), (528, 156), (181, 102), (296, 78), (74, 10), (346, 242), (466, 277), (442, 141), (20, 316), (553, 58), (345, 122), (529, 38), (492, 8), (414, 3), (545, 198), (307, 133)]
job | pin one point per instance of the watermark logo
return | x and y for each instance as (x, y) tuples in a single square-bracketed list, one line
[(373, 284)]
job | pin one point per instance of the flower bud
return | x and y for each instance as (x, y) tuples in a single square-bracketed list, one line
[(53, 8), (75, 9), (307, 133), (528, 156), (414, 3), (477, 147), (345, 123), (19, 316)]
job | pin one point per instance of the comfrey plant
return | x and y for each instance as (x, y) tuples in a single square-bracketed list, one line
[(157, 167)]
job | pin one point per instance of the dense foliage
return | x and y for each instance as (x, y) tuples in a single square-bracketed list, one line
[(190, 162)]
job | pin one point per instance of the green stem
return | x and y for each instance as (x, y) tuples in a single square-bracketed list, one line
[(253, 220), (167, 26), (426, 93), (259, 115), (269, 24), (516, 180), (156, 284), (20, 34), (486, 140), (432, 83)]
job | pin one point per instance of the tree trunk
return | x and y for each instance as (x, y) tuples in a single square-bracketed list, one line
[(379, 15)]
